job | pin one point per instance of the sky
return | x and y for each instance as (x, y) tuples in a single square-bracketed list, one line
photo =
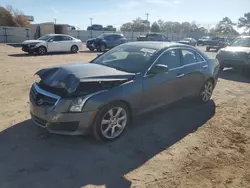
[(117, 12)]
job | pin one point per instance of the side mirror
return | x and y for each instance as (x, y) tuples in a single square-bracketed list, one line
[(159, 68)]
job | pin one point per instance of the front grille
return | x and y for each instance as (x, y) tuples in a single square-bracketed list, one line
[(41, 99)]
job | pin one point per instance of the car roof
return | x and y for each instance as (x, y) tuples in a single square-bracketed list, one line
[(58, 35), (155, 44)]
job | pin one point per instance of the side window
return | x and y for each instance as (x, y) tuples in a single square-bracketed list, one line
[(110, 37), (189, 57), (66, 38), (171, 58), (57, 38)]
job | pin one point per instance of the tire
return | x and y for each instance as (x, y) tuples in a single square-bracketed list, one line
[(105, 124), (30, 53), (42, 50), (74, 49), (207, 49), (92, 49), (102, 48), (206, 91)]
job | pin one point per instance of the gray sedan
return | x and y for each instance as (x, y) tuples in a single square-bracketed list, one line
[(102, 96)]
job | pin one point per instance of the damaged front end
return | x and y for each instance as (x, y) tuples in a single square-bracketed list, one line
[(65, 83)]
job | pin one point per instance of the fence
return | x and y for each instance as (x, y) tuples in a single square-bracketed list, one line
[(131, 36), (14, 34), (18, 34)]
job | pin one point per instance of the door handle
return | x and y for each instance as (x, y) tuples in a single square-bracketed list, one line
[(205, 66), (180, 75)]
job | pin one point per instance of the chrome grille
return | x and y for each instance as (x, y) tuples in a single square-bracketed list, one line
[(41, 97)]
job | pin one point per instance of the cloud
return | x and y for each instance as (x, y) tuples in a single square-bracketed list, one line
[(164, 2), (130, 5), (54, 10)]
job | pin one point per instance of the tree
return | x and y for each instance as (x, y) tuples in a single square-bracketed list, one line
[(155, 27), (127, 27), (225, 26), (160, 22), (245, 22), (13, 17)]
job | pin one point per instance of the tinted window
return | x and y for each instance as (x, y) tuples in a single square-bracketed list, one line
[(66, 38), (110, 37), (171, 58), (57, 38), (241, 42), (189, 57)]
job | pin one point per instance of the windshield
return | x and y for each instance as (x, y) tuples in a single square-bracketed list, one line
[(45, 37), (241, 42), (128, 58)]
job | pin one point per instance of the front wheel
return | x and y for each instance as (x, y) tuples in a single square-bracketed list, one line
[(102, 48), (206, 91), (92, 49), (42, 50), (111, 121)]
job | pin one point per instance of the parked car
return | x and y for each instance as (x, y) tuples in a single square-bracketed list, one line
[(188, 41), (152, 37), (216, 43), (105, 41), (52, 43), (236, 55), (202, 41), (102, 96)]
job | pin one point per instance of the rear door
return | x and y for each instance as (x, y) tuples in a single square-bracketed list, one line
[(193, 66), (54, 44), (66, 43), (164, 88)]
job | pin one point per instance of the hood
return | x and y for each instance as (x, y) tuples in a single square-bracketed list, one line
[(32, 41), (69, 77), (184, 41), (91, 39), (236, 49)]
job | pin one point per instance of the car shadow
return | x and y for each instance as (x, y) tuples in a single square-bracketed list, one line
[(15, 45), (48, 54), (30, 157), (236, 75)]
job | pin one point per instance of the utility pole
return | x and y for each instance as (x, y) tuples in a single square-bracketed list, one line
[(147, 14), (91, 21), (55, 21)]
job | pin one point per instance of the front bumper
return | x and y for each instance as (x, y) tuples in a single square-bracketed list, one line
[(27, 48), (56, 119)]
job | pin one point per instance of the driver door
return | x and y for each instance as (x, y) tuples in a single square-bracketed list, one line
[(164, 88), (54, 44)]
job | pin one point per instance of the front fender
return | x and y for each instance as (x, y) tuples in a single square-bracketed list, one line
[(130, 92)]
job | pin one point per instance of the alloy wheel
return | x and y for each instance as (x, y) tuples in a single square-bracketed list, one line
[(114, 122), (41, 50), (207, 91)]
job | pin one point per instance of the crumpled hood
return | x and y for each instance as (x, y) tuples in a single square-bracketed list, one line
[(70, 76), (32, 41), (236, 49)]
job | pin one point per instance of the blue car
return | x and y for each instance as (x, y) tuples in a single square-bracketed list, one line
[(105, 41)]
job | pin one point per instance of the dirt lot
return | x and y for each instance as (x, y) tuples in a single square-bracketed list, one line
[(180, 146)]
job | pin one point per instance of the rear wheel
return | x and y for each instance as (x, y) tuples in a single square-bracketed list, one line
[(74, 49), (42, 50), (111, 121), (206, 91)]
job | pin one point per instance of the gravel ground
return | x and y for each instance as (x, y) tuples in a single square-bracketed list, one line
[(183, 145)]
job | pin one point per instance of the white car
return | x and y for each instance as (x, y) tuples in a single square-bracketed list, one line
[(52, 43)]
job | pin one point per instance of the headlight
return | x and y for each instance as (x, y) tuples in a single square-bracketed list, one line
[(77, 104)]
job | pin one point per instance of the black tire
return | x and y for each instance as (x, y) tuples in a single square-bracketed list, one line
[(207, 49), (92, 49), (97, 129), (74, 49), (42, 50), (102, 48), (201, 98)]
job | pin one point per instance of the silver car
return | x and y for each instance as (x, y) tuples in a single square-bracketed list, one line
[(102, 96), (236, 55)]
